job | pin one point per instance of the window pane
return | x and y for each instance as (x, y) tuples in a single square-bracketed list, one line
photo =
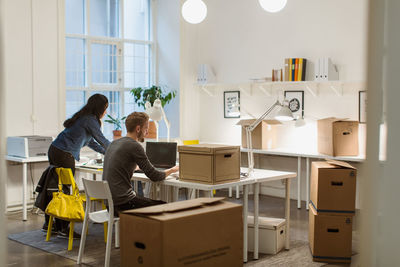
[(104, 63), (137, 65), (104, 18), (74, 16), (114, 109), (75, 62), (75, 101), (137, 19)]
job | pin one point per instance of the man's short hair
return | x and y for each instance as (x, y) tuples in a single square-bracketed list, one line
[(134, 119)]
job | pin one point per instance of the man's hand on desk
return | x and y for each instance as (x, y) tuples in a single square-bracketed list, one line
[(172, 170)]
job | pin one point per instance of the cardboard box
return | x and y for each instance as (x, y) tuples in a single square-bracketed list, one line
[(209, 163), (198, 232), (263, 136), (271, 234), (333, 187), (330, 237), (337, 137)]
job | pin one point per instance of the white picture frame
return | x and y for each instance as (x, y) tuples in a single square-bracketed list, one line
[(232, 104), (296, 103)]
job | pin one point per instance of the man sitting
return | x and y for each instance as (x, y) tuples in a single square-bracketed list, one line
[(122, 158)]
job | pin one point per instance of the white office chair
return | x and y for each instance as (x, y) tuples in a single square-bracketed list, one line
[(99, 190)]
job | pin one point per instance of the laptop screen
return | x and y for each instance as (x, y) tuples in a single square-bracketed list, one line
[(161, 154)]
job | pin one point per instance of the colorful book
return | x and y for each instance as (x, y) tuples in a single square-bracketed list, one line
[(300, 70), (293, 69)]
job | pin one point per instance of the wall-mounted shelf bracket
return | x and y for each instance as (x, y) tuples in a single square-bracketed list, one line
[(312, 91), (205, 89), (267, 90), (338, 89), (247, 91)]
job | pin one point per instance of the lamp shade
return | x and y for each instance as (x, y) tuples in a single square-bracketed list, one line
[(194, 11), (284, 114), (272, 6)]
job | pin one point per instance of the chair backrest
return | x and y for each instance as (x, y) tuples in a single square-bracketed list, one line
[(66, 177), (97, 189)]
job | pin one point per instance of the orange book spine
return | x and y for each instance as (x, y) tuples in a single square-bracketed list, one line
[(296, 70)]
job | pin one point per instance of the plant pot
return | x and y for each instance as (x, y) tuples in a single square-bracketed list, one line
[(152, 132), (117, 134)]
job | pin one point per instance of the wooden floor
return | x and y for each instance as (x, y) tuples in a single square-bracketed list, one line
[(22, 255)]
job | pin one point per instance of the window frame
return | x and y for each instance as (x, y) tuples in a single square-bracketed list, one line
[(89, 86)]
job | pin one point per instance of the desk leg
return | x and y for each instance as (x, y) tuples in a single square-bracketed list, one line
[(24, 186), (256, 206), (245, 211), (299, 182), (287, 214), (176, 193), (230, 191), (308, 182), (237, 191)]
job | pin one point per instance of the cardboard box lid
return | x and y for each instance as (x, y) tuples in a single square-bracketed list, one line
[(206, 148), (334, 119), (250, 121), (181, 209), (330, 163), (266, 222)]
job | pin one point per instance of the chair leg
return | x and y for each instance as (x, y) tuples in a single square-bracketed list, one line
[(105, 225), (109, 244), (71, 235), (49, 227), (83, 239), (117, 234)]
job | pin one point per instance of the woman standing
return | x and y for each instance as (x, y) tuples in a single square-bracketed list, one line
[(82, 129)]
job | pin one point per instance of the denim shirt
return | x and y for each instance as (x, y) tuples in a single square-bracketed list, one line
[(84, 132)]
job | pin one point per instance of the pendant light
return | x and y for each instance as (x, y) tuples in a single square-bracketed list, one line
[(194, 11), (272, 6)]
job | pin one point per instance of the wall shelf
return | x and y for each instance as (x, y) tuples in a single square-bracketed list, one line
[(269, 88)]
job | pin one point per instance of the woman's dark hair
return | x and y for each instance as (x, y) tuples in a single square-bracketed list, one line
[(96, 105)]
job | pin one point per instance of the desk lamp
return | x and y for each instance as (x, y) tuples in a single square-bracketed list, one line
[(156, 113), (284, 114)]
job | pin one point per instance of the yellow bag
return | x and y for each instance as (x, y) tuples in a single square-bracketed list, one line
[(63, 206)]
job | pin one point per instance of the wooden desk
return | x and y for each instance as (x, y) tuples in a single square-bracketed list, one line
[(25, 162)]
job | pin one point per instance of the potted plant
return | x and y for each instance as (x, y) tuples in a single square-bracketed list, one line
[(143, 94), (117, 133)]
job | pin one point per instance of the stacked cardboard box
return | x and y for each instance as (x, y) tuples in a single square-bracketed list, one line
[(332, 207)]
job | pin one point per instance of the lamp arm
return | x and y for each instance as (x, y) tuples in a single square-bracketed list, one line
[(257, 122), (249, 129)]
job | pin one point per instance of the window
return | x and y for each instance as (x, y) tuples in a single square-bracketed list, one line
[(109, 51)]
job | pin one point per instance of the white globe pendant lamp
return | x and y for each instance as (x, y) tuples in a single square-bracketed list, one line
[(194, 11), (272, 6)]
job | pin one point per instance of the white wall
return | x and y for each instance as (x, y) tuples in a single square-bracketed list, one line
[(167, 40), (3, 172), (241, 41), (31, 79)]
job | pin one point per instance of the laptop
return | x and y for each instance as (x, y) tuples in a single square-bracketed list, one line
[(162, 154)]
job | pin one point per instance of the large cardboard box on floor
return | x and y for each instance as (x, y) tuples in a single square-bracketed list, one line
[(337, 137), (330, 236), (263, 136), (209, 163), (333, 187), (198, 232), (271, 234)]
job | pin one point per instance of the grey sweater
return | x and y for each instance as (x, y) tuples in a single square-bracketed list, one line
[(121, 158)]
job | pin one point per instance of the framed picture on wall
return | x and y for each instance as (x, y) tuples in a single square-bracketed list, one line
[(362, 106), (296, 103), (232, 104)]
